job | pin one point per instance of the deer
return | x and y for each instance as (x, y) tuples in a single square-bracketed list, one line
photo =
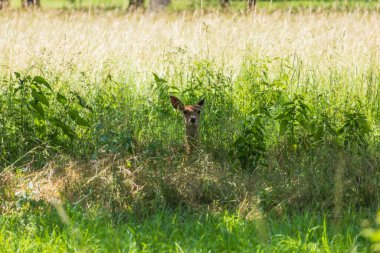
[(191, 114)]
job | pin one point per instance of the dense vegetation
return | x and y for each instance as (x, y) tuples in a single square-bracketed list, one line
[(91, 151)]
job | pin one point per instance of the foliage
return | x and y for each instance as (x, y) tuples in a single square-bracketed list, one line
[(293, 118), (36, 116), (250, 145), (70, 228), (248, 123), (373, 234), (355, 128), (289, 142)]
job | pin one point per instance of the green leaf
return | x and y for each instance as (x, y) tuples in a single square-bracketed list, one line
[(61, 99), (40, 97), (303, 123), (65, 128), (173, 89), (81, 101), (288, 103), (74, 115), (283, 127), (17, 89), (37, 108), (158, 79), (41, 80), (282, 116)]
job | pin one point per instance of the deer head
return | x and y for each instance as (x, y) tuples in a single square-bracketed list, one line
[(191, 114)]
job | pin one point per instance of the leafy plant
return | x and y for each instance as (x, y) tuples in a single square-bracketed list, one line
[(294, 118), (373, 234), (38, 116), (250, 146), (355, 128), (35, 97), (322, 127)]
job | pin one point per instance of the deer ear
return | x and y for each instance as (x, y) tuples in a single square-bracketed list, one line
[(176, 103), (200, 103)]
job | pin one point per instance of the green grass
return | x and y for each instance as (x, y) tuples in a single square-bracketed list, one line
[(288, 158), (173, 231), (303, 154)]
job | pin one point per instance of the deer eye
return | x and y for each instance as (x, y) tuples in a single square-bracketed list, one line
[(199, 111)]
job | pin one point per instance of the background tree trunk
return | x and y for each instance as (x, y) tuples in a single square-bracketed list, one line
[(4, 4), (135, 4), (30, 3), (251, 4), (224, 3), (158, 5)]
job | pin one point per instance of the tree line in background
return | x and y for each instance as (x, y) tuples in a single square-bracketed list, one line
[(155, 5), (24, 3), (162, 4)]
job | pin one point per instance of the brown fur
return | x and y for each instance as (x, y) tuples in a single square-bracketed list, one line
[(191, 115)]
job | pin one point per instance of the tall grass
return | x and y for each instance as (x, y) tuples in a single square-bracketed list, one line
[(108, 44), (290, 124), (172, 232)]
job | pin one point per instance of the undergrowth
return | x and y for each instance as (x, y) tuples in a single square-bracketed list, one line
[(277, 142), (180, 231), (289, 134)]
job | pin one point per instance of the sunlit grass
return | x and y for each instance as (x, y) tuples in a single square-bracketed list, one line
[(84, 121), (342, 43), (169, 231)]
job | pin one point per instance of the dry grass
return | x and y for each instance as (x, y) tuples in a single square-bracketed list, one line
[(141, 44), (125, 184), (68, 44), (133, 166)]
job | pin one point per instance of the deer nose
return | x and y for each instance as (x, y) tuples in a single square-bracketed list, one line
[(193, 120)]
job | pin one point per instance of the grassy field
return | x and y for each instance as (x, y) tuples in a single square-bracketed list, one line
[(168, 231), (91, 150)]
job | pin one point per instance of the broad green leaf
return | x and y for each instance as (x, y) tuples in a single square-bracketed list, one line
[(173, 89), (61, 99), (41, 80), (17, 89), (158, 79), (65, 128), (37, 108), (40, 97), (74, 115)]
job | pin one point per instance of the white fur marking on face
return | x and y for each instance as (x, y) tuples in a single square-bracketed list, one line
[(191, 114)]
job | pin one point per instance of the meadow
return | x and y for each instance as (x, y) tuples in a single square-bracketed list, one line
[(91, 150)]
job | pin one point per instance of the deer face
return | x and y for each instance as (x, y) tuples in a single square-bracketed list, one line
[(191, 113)]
